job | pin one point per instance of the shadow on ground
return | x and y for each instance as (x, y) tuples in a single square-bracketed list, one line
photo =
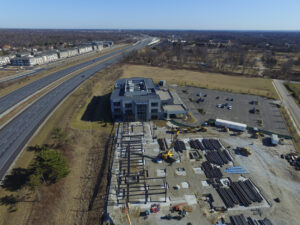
[(98, 109), (17, 179), (267, 142)]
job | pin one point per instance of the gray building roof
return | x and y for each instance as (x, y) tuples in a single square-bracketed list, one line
[(137, 88)]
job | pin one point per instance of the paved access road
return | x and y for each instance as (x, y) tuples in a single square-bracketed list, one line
[(17, 96), (15, 135), (288, 102)]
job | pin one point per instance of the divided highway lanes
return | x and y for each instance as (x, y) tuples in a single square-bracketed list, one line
[(13, 98), (19, 76), (15, 135)]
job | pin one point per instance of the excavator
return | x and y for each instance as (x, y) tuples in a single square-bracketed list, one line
[(245, 151), (168, 156)]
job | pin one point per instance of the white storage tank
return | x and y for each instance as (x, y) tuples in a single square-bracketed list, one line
[(231, 124)]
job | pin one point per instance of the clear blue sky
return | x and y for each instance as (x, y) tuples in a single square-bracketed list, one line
[(152, 14)]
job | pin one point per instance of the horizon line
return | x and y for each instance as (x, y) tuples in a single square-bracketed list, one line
[(154, 29)]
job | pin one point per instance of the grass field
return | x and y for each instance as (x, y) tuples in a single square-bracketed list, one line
[(294, 89), (238, 84)]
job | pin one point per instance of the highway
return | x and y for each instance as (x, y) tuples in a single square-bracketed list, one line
[(288, 102), (13, 98), (15, 135), (22, 75)]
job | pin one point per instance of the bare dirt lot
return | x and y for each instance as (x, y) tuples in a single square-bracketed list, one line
[(274, 177), (271, 174)]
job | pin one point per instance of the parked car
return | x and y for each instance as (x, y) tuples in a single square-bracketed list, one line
[(217, 97), (200, 100), (199, 94)]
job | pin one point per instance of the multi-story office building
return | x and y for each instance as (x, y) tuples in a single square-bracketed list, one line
[(138, 99)]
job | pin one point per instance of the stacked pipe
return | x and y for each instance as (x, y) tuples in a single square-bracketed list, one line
[(215, 143), (217, 157), (179, 146), (207, 144), (241, 220), (241, 192), (210, 171), (238, 220)]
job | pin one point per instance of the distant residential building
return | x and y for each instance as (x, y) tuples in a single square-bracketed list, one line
[(108, 44), (4, 60), (29, 61), (11, 56), (32, 60), (97, 45), (85, 49), (22, 54), (6, 47), (50, 56), (39, 60), (17, 61), (65, 53)]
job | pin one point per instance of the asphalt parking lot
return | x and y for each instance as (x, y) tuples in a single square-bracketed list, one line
[(268, 112)]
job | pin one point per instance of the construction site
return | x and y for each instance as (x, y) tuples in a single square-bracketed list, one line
[(168, 175), (231, 161)]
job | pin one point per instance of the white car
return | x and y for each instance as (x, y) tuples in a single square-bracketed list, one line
[(229, 107)]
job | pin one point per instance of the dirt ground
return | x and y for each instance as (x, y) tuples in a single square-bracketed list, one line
[(271, 174), (238, 84), (275, 177), (78, 198)]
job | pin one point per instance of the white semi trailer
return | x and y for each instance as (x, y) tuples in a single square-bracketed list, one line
[(231, 125)]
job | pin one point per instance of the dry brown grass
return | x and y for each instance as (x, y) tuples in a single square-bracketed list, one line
[(69, 201), (239, 84), (292, 130), (5, 73), (294, 89)]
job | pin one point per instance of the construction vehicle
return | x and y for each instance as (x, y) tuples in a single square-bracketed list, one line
[(155, 208), (202, 129), (182, 208), (245, 151), (255, 135), (168, 156), (145, 214), (174, 130)]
